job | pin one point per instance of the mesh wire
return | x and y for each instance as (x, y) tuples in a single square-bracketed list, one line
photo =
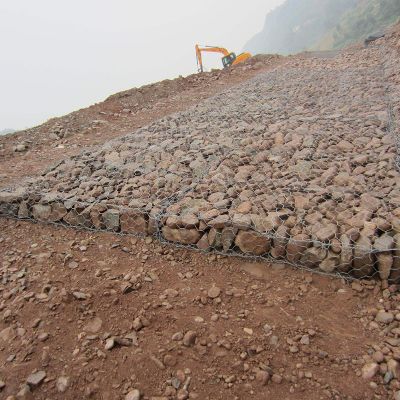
[(299, 165)]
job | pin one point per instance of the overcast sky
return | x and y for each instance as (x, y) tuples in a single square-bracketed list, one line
[(60, 55)]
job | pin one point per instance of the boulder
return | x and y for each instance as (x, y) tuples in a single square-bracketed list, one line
[(330, 263), (251, 242), (280, 240), (346, 255), (363, 263), (228, 236), (181, 235), (133, 222), (313, 256), (383, 246), (296, 247), (111, 220)]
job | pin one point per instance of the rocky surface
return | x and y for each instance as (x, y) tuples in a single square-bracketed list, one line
[(297, 164), (28, 152)]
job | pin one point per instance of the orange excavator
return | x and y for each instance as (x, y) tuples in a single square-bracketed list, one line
[(228, 59)]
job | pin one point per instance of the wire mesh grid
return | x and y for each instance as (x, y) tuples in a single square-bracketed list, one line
[(299, 165)]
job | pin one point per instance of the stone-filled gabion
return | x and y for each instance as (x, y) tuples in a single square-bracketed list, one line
[(297, 165)]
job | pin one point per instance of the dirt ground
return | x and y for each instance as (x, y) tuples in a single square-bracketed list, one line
[(65, 292), (95, 315)]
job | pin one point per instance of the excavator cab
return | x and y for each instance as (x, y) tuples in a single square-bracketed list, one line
[(228, 60)]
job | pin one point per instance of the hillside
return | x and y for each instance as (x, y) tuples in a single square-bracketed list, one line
[(368, 17), (281, 160), (299, 25)]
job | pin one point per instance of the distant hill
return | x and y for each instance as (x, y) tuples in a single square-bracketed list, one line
[(7, 131), (299, 25), (366, 18)]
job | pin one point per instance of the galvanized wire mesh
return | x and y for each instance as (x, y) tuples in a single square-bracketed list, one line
[(299, 165)]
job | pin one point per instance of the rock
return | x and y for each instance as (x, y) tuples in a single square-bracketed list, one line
[(241, 221), (363, 262), (266, 224), (23, 210), (36, 378), (296, 247), (2, 384), (24, 393), (169, 360), (177, 336), (384, 317), (137, 324), (41, 212), (203, 244), (280, 241), (20, 148), (182, 394), (276, 378), (394, 368), (262, 377), (133, 395), (181, 235), (62, 383), (126, 288), (346, 255), (80, 295), (111, 220), (7, 334), (49, 213), (330, 263), (110, 343), (344, 145), (327, 232), (369, 370), (93, 326), (214, 292), (313, 257), (395, 273), (219, 222), (251, 242), (215, 239), (228, 237), (76, 218), (384, 246), (133, 222), (189, 339)]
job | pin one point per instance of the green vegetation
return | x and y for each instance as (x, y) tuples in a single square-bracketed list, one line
[(366, 18), (299, 25)]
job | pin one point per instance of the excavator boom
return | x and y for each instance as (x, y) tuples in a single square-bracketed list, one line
[(210, 49)]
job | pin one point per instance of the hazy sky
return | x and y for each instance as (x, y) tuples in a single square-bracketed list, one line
[(60, 55)]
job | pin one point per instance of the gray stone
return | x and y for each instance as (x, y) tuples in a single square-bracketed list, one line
[(111, 219), (36, 378)]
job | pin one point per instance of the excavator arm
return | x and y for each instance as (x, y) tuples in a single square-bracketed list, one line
[(210, 49)]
